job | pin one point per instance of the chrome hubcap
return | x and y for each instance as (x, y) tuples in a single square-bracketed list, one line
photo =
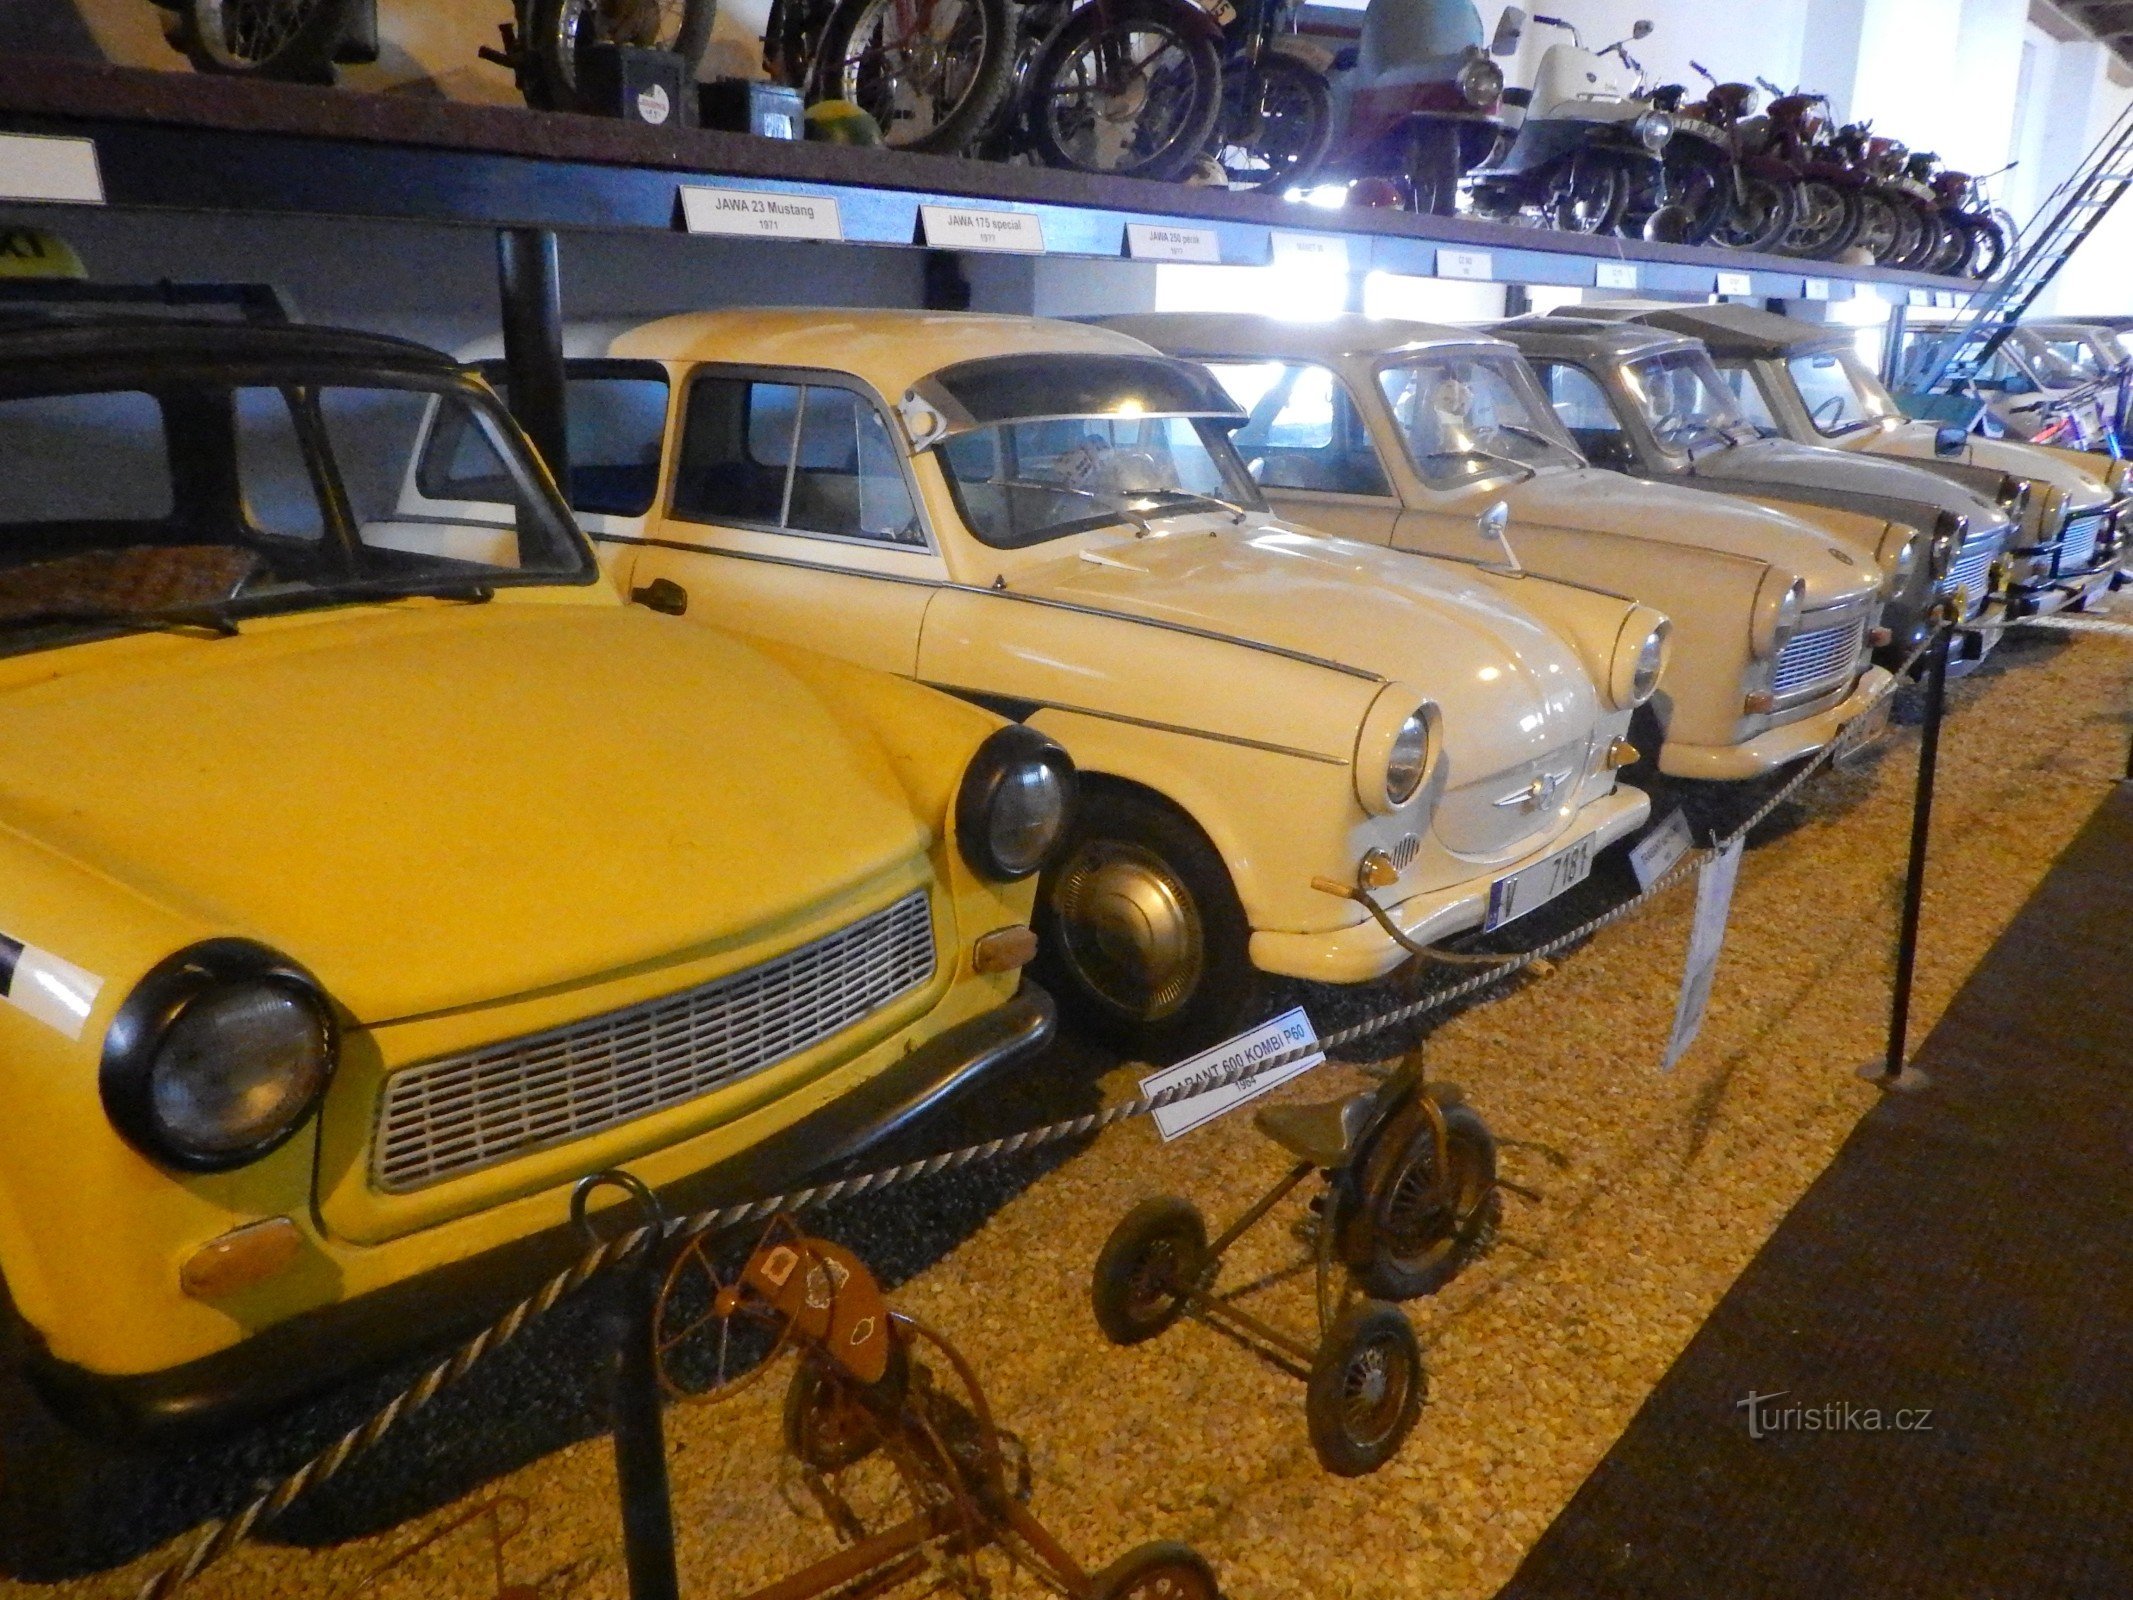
[(1129, 929)]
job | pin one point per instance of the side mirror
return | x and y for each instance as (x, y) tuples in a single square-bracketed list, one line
[(1510, 31), (1492, 526), (1641, 29), (1949, 442)]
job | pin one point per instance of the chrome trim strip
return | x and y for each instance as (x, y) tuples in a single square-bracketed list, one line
[(975, 695)]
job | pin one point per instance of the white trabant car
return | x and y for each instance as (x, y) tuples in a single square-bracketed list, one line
[(1049, 519), (1398, 433)]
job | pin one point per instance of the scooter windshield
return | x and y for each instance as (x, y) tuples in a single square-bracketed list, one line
[(1470, 416)]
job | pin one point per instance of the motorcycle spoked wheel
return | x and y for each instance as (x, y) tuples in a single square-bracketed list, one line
[(1988, 248), (932, 73), (1951, 250), (1826, 220), (1705, 198), (1932, 242), (1594, 199), (1759, 213), (556, 30), (1281, 140), (1131, 90), (289, 40), (1881, 230)]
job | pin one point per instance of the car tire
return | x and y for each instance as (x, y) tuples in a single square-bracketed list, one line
[(1140, 935)]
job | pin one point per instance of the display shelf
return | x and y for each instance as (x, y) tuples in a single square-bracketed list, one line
[(190, 142)]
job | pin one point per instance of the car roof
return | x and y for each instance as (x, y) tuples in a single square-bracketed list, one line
[(1561, 335), (33, 342), (890, 349), (1234, 333), (1743, 332)]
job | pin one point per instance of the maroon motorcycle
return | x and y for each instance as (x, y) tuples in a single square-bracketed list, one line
[(1731, 192), (1828, 190), (1976, 236)]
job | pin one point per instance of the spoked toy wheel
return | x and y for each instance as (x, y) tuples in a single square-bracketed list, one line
[(702, 1348), (1164, 1570), (1366, 1390), (557, 31), (1759, 213), (1421, 1223), (291, 40), (1153, 1257), (1277, 122), (1826, 220), (1132, 89), (932, 73), (1594, 200)]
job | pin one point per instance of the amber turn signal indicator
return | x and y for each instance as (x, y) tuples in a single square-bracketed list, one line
[(241, 1258), (1003, 950), (1622, 754), (1759, 702)]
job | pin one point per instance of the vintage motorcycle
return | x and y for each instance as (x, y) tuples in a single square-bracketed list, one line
[(1828, 191), (1581, 142), (931, 73), (1900, 224), (1276, 121), (1977, 237), (1732, 192)]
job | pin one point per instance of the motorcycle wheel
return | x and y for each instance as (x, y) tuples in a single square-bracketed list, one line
[(289, 40), (1281, 140), (1988, 248), (1880, 229), (1594, 200), (556, 30), (1826, 220), (1932, 243), (1706, 201), (1917, 232), (1133, 90), (931, 74), (1433, 169), (1759, 213), (1951, 250)]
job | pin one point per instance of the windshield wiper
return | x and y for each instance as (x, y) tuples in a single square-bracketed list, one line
[(474, 590), (1123, 513), (1239, 514), (170, 619), (1512, 462)]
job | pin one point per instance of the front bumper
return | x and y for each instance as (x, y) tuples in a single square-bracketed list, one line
[(2041, 600), (1362, 950), (1766, 752), (311, 1351)]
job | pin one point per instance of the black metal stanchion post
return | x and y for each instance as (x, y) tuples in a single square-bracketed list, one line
[(1894, 1071), (627, 1321), (530, 286)]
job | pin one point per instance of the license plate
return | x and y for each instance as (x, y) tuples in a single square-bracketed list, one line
[(1865, 731), (1513, 895)]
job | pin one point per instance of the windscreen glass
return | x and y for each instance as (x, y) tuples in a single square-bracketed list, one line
[(1470, 417), (1684, 402), (1839, 393)]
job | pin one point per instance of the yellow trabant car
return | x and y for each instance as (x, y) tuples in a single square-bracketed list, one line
[(365, 882), (1050, 519)]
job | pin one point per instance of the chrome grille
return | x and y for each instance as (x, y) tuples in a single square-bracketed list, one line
[(442, 1118), (2077, 550), (1973, 573), (1817, 655)]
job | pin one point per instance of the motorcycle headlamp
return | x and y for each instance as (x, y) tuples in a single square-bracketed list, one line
[(1012, 809), (1653, 129), (218, 1056), (1481, 82)]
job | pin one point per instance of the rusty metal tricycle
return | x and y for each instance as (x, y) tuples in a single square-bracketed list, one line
[(876, 1391), (1411, 1197)]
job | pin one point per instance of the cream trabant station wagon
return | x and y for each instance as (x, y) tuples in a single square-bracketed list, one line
[(1400, 432), (1049, 520)]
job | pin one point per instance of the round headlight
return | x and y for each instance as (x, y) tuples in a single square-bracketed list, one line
[(1012, 810), (218, 1056), (1481, 81), (1780, 601), (2014, 496), (1396, 749), (1949, 531), (1653, 129), (1640, 656)]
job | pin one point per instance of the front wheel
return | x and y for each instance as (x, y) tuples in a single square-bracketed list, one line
[(1366, 1389), (1141, 936), (932, 74), (290, 40), (1277, 123), (1988, 247), (1153, 1258), (1594, 199), (1759, 211), (559, 31), (1419, 1223), (1826, 220), (1133, 90), (1164, 1570)]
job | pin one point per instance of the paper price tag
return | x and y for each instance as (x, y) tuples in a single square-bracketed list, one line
[(1707, 937), (1615, 275), (1654, 855), (1290, 1031), (35, 166), (1154, 241), (761, 215), (1817, 288), (1476, 265), (1310, 250), (963, 228), (1918, 297), (1735, 283)]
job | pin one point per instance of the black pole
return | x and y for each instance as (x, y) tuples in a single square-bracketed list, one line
[(1893, 1071), (530, 284)]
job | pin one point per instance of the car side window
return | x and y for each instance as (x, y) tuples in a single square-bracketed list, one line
[(1304, 431), (1748, 395), (84, 459), (1584, 409), (616, 427), (813, 458), (280, 494)]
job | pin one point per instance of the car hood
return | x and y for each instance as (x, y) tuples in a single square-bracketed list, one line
[(1610, 502), (1514, 695), (437, 806), (1917, 440), (1843, 479)]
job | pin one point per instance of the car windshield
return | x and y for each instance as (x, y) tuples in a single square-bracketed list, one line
[(2080, 354), (1470, 417), (1023, 483), (2047, 365), (1839, 393), (1685, 403), (197, 500)]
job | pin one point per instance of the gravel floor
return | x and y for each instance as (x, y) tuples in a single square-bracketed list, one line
[(1657, 1190)]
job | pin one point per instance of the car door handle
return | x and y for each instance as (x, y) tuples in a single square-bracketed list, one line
[(664, 596)]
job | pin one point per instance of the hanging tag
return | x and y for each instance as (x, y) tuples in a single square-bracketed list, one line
[(1290, 1031), (1707, 936)]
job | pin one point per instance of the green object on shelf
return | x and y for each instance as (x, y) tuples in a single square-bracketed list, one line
[(841, 122)]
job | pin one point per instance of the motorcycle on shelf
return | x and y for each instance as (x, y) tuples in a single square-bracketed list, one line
[(1418, 100), (1900, 224), (1977, 237), (1276, 121), (1829, 192), (1583, 140), (931, 73), (1729, 192)]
